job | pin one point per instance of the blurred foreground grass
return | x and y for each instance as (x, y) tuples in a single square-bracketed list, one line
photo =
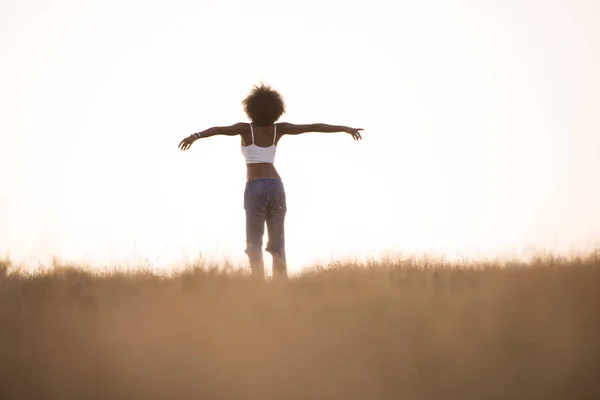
[(404, 329)]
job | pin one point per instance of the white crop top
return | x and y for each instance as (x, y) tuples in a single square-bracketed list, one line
[(256, 154)]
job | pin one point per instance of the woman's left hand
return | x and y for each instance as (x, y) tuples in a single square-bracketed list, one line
[(186, 143)]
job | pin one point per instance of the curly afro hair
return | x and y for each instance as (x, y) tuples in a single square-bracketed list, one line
[(263, 105)]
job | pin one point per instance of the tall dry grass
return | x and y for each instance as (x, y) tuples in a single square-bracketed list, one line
[(397, 330)]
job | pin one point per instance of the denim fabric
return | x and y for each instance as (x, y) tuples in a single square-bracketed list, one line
[(264, 201)]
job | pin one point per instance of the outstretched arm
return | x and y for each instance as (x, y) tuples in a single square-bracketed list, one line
[(232, 130), (293, 129)]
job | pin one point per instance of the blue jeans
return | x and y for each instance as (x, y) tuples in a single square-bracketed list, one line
[(264, 202)]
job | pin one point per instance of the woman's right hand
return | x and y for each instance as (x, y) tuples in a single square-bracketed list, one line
[(187, 142), (355, 132)]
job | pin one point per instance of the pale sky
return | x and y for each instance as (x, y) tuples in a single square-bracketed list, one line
[(481, 118)]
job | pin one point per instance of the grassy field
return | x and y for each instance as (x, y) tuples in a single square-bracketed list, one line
[(402, 329)]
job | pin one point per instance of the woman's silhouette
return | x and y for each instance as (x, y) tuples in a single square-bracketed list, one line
[(264, 196)]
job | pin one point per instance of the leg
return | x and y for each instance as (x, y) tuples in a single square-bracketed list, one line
[(276, 211), (256, 211)]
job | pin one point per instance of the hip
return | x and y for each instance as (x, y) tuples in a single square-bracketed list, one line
[(265, 192)]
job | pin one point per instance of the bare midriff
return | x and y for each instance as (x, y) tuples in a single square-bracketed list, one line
[(261, 170)]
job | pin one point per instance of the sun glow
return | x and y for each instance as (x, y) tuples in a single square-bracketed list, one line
[(481, 127)]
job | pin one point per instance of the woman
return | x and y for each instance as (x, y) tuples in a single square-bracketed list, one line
[(264, 196)]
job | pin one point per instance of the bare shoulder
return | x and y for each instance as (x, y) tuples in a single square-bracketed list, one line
[(286, 128), (239, 128), (283, 126)]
